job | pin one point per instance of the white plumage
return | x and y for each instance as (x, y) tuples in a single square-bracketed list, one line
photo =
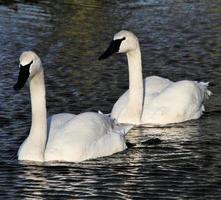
[(167, 102), (80, 137), (154, 100), (64, 137)]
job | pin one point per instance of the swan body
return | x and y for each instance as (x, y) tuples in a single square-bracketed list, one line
[(87, 135), (167, 102), (154, 100), (63, 137)]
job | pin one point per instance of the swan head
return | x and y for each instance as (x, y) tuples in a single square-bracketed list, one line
[(29, 65), (123, 42)]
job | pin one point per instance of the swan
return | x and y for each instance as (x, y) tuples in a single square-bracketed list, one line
[(155, 100), (63, 137)]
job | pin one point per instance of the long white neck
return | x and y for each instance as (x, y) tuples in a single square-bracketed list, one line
[(134, 107), (34, 146)]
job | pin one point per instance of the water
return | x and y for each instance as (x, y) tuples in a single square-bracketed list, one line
[(179, 39)]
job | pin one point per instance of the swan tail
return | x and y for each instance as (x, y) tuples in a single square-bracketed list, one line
[(204, 88), (121, 129)]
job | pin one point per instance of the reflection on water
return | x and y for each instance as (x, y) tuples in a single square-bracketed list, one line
[(179, 39)]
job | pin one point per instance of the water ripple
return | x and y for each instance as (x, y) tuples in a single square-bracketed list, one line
[(179, 39)]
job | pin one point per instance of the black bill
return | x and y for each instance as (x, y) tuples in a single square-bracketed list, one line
[(23, 76), (113, 48)]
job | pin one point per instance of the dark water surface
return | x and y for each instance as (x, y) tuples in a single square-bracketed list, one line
[(180, 39)]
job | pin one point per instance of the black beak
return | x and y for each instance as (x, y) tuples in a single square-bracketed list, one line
[(113, 48), (22, 77)]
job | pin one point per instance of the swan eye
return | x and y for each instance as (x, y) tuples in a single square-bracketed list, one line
[(113, 48), (28, 65), (118, 41)]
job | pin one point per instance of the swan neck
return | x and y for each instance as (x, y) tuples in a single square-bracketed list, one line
[(38, 132), (135, 101)]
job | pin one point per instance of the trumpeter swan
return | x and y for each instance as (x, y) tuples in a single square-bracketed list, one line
[(68, 137), (154, 100)]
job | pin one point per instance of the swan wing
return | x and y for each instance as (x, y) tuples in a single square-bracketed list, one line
[(178, 102), (87, 135), (57, 120), (153, 85)]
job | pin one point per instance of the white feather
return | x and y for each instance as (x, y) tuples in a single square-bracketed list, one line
[(155, 100), (66, 137)]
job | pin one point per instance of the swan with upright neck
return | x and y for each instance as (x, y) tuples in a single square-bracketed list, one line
[(155, 100), (63, 137)]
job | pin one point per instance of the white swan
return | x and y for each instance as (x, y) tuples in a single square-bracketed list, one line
[(69, 138), (155, 100)]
